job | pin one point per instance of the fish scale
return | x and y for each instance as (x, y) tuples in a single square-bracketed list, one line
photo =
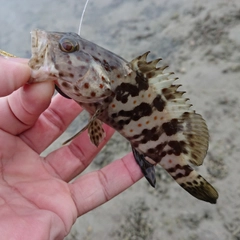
[(136, 98)]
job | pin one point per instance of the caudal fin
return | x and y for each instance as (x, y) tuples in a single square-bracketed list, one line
[(193, 183)]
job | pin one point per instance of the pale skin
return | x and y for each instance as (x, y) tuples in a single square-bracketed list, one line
[(36, 199)]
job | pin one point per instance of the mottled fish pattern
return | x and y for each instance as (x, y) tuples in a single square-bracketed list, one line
[(136, 98)]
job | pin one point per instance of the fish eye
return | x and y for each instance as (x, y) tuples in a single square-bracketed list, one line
[(68, 45)]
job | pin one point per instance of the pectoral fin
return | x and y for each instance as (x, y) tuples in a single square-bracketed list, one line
[(95, 130), (147, 168)]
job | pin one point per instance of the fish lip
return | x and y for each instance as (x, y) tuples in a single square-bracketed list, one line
[(40, 62), (39, 42)]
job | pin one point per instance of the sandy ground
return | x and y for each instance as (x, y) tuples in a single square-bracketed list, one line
[(200, 40)]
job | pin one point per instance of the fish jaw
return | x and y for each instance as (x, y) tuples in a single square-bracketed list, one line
[(42, 67), (76, 74)]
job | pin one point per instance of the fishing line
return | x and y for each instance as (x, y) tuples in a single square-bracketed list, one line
[(80, 24)]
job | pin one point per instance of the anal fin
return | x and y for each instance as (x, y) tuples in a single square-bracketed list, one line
[(147, 168)]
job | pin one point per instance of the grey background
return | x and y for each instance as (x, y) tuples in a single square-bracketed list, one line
[(200, 40)]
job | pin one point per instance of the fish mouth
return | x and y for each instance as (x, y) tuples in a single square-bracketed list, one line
[(39, 43), (43, 68)]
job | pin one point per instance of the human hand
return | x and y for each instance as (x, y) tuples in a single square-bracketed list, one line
[(36, 199)]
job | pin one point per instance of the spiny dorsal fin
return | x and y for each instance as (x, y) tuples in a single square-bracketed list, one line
[(141, 58), (140, 64)]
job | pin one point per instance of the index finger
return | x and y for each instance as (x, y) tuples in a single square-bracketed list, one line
[(13, 74)]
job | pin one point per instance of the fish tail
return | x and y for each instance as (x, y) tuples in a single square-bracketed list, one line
[(193, 183)]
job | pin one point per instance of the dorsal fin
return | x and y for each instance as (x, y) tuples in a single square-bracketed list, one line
[(194, 128)]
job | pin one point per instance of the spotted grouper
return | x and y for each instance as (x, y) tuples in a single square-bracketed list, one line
[(137, 98)]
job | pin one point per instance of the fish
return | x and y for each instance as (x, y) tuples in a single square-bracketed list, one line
[(137, 98)]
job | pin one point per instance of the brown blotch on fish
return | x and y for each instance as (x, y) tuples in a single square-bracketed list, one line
[(147, 134), (106, 66), (159, 103), (86, 85), (143, 109), (93, 94), (178, 147), (170, 128), (151, 150), (187, 170), (66, 85), (124, 90)]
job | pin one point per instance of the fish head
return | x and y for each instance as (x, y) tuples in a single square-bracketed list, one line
[(61, 57)]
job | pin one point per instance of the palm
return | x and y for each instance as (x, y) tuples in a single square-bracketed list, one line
[(33, 194), (37, 200)]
